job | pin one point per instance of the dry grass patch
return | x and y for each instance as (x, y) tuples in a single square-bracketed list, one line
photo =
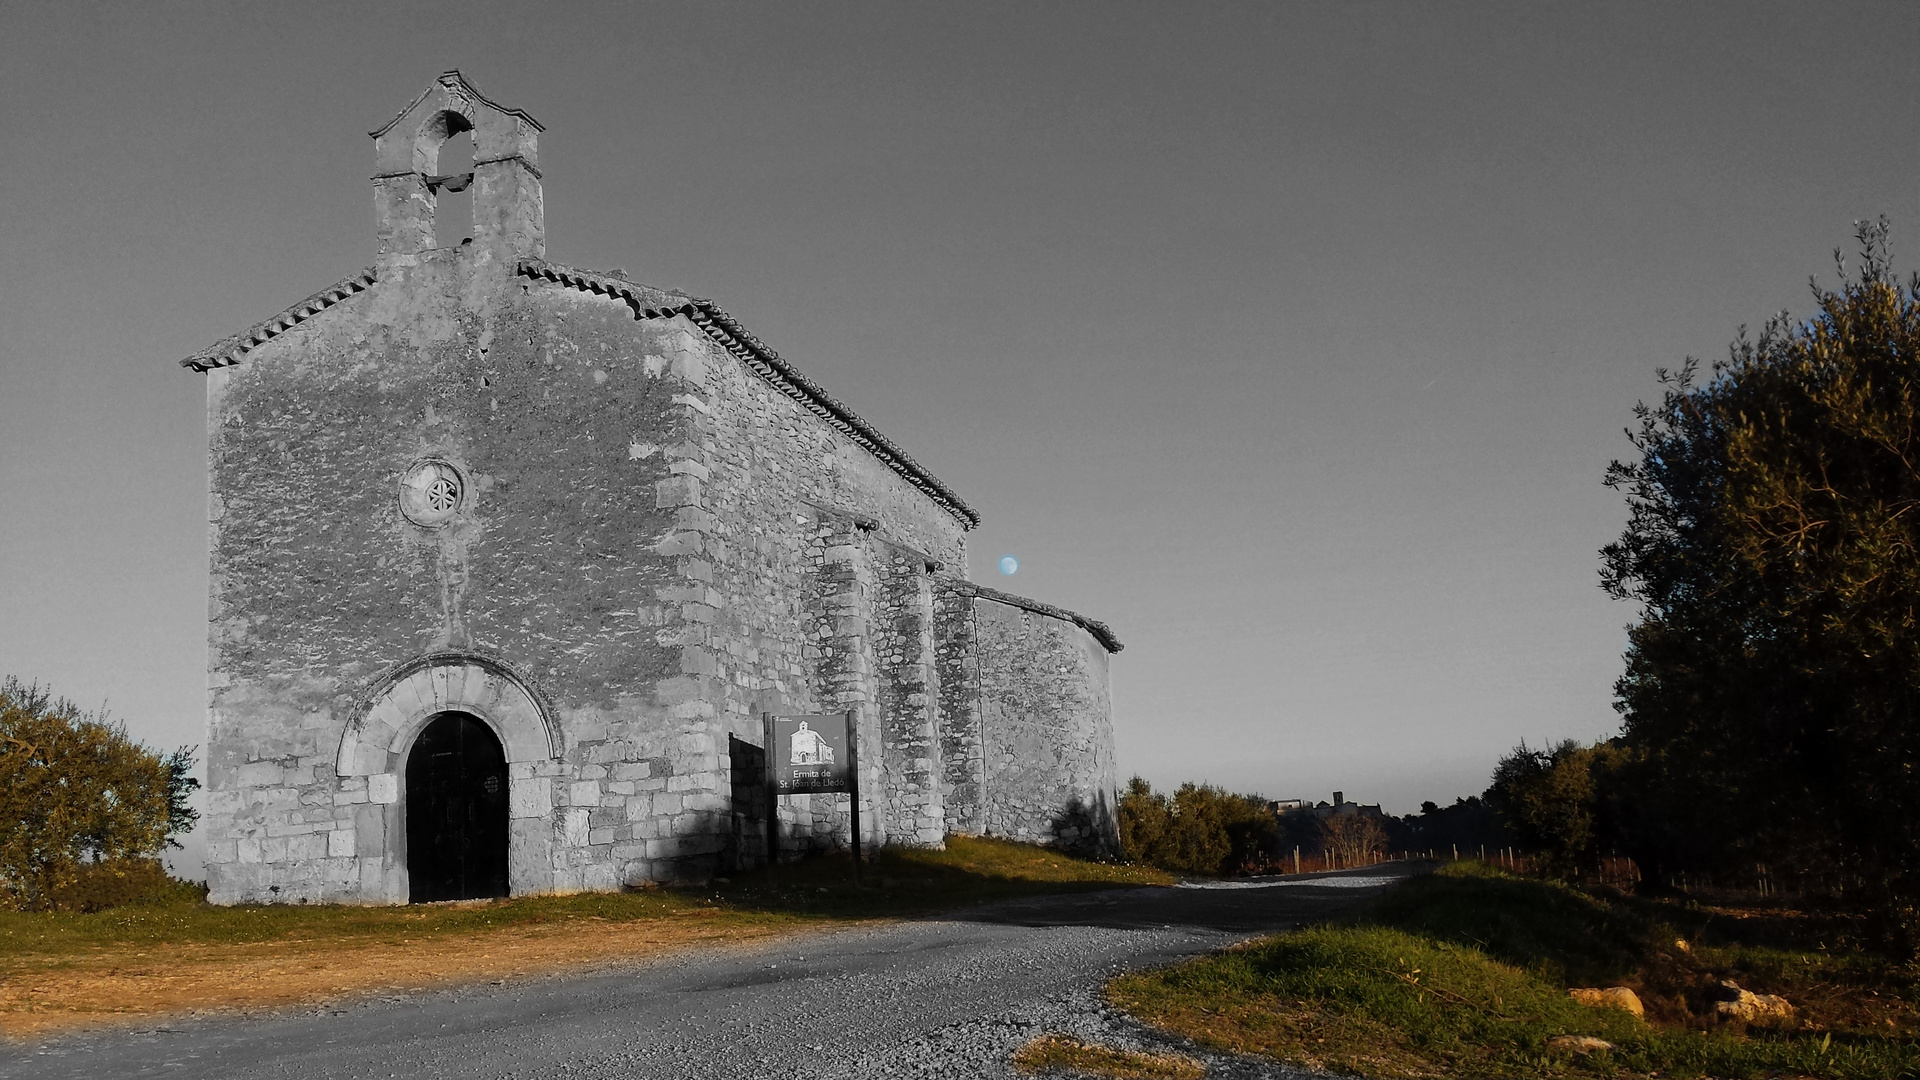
[(1066, 1053), (47, 994)]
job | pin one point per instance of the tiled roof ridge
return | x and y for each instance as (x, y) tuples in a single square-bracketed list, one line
[(228, 351), (1101, 631), (647, 301), (725, 330)]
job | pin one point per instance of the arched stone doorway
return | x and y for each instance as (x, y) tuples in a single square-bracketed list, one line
[(380, 740), (456, 811)]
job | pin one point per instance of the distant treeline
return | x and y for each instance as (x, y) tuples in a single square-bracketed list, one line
[(1202, 829)]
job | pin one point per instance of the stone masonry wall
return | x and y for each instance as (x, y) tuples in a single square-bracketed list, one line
[(574, 561), (911, 798), (1045, 729), (957, 670), (807, 589)]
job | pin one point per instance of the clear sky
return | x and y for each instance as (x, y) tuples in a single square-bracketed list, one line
[(1291, 341)]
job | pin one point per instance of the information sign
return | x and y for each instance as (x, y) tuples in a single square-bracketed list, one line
[(811, 754)]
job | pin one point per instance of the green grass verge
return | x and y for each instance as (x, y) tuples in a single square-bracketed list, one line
[(896, 882), (1465, 972)]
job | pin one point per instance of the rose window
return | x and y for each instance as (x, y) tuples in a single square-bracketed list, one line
[(442, 495), (430, 493)]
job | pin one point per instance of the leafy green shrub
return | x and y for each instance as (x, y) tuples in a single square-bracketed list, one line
[(80, 801), (1548, 798), (1200, 829), (113, 883)]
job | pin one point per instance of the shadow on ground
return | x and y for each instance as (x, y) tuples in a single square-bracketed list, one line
[(901, 885)]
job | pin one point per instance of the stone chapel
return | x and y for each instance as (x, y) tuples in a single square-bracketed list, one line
[(509, 558)]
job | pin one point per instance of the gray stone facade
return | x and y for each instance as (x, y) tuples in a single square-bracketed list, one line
[(646, 530)]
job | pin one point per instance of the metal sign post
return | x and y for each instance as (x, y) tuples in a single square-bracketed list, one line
[(853, 789), (773, 798), (811, 755)]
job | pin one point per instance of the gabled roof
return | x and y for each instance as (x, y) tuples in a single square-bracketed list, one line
[(228, 351), (647, 303), (451, 77), (725, 330)]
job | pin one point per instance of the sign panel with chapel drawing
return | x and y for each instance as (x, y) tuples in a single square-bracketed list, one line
[(811, 753)]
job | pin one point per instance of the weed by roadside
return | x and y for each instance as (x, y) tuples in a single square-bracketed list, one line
[(1062, 1053)]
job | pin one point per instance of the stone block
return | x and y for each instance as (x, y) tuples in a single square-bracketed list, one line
[(584, 793), (340, 843), (678, 690), (679, 543), (529, 857), (529, 798), (695, 519), (383, 788), (710, 802), (676, 491), (259, 774), (573, 828), (370, 831), (226, 802)]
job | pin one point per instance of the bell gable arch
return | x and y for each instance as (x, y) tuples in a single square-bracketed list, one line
[(404, 698)]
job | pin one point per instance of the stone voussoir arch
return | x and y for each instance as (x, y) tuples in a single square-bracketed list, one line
[(405, 697)]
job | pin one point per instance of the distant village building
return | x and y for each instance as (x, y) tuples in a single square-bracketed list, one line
[(1324, 809), (509, 557)]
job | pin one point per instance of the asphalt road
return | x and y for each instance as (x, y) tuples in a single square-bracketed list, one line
[(952, 996)]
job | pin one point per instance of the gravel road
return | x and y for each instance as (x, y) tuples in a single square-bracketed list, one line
[(952, 996)]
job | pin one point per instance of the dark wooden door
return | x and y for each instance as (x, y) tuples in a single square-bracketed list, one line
[(456, 812)]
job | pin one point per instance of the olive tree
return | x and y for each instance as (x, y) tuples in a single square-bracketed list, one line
[(1773, 548), (75, 792)]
